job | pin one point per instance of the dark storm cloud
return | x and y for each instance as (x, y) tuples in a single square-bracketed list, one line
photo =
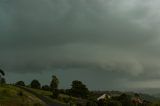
[(109, 36)]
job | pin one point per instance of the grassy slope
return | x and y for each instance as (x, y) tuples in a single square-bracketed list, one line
[(48, 94), (13, 96)]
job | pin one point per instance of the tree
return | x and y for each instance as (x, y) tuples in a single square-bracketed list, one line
[(125, 99), (46, 87), (35, 84), (79, 89), (54, 83), (2, 80), (55, 93), (102, 102), (2, 72), (54, 86), (20, 83)]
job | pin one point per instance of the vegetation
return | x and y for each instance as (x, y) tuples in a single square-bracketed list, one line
[(91, 103), (35, 84), (46, 88), (79, 89), (2, 72), (77, 95), (54, 83), (13, 96), (54, 86), (20, 83), (2, 79), (48, 94)]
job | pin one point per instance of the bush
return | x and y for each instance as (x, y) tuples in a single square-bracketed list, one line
[(5, 92), (46, 88), (91, 103), (20, 83), (64, 99), (114, 103), (79, 104), (2, 81), (35, 84), (68, 91), (20, 93), (79, 89), (55, 93), (102, 103), (62, 91)]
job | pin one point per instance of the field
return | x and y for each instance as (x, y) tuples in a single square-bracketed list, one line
[(13, 96)]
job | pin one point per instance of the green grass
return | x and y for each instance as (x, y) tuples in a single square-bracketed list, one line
[(13, 96), (41, 92), (62, 98), (47, 94)]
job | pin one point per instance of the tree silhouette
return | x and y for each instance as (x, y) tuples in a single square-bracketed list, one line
[(20, 83), (2, 72), (54, 86), (79, 89), (54, 83), (2, 80), (35, 84)]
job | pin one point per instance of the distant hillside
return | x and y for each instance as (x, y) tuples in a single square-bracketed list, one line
[(151, 91), (144, 96), (118, 93)]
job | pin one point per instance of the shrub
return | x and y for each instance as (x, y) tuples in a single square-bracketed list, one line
[(2, 81), (91, 103), (20, 93), (46, 88), (79, 89), (102, 103), (35, 84), (55, 93), (114, 103), (62, 91), (20, 83)]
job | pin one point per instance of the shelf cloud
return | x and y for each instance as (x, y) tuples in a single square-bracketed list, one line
[(117, 38)]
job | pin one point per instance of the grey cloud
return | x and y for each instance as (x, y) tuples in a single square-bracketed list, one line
[(114, 37)]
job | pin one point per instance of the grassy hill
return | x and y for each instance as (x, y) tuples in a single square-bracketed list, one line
[(62, 98), (13, 96)]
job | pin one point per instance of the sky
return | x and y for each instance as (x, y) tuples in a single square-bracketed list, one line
[(107, 44)]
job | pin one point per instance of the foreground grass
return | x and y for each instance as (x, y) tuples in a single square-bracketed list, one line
[(13, 96)]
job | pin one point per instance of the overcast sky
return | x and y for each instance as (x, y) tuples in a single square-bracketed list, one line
[(108, 44)]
